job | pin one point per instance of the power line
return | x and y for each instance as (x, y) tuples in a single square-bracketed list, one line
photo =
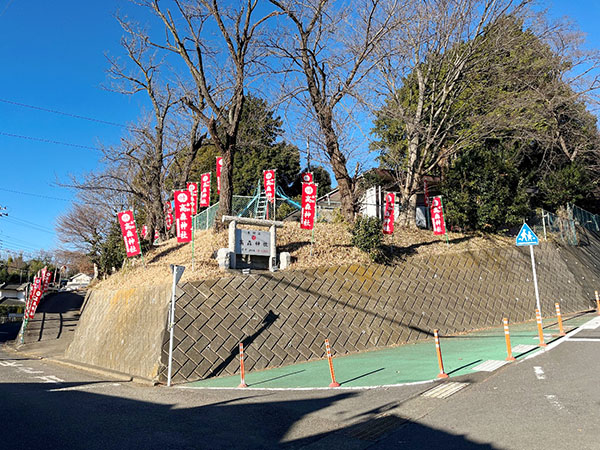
[(34, 195), (75, 116), (27, 224), (49, 141)]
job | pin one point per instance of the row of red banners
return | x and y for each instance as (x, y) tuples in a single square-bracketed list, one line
[(39, 287), (436, 210)]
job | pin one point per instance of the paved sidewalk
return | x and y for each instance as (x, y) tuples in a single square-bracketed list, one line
[(412, 363)]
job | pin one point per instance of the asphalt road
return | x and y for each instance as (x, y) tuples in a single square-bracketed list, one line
[(548, 402)]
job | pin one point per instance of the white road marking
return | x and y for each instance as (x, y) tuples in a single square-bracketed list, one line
[(522, 348), (489, 366), (10, 364), (539, 373), (84, 387), (444, 390), (556, 343), (552, 399), (592, 324), (29, 370), (50, 379), (583, 339)]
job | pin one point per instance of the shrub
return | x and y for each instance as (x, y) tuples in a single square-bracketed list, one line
[(367, 236)]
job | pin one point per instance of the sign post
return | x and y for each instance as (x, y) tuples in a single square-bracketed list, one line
[(177, 273), (527, 237)]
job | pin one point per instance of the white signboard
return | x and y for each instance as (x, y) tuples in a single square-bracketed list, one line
[(252, 242)]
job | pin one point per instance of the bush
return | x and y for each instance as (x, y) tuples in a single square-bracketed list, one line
[(367, 236)]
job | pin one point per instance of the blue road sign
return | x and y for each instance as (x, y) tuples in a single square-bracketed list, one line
[(526, 236)]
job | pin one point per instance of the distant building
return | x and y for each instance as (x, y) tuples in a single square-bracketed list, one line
[(13, 294), (372, 200), (79, 281)]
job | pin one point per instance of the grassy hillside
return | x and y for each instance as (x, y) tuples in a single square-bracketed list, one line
[(331, 248)]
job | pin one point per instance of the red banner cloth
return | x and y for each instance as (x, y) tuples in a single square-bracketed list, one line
[(46, 277), (144, 232), (307, 177), (309, 206), (193, 188), (437, 216), (205, 190), (269, 180), (129, 231), (219, 167), (183, 216), (388, 214), (36, 294)]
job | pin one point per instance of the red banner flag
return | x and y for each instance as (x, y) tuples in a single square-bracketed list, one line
[(307, 177), (144, 232), (129, 231), (388, 215), (168, 215), (183, 217), (193, 188), (309, 206), (437, 216), (36, 295), (219, 167), (205, 190), (46, 280), (269, 180)]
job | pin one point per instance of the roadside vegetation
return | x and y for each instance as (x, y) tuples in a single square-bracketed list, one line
[(492, 98)]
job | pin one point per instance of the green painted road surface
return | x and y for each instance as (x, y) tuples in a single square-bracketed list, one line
[(410, 363)]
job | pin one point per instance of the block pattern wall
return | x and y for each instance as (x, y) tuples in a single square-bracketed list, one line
[(284, 317)]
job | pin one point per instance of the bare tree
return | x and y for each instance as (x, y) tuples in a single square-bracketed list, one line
[(328, 48), (147, 150), (220, 71), (439, 44)]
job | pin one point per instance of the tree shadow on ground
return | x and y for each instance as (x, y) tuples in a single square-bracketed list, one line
[(267, 321), (166, 252), (292, 246), (394, 251), (70, 417)]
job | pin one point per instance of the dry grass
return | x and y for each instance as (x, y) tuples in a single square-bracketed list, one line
[(331, 247)]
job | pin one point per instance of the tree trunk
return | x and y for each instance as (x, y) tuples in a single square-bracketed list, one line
[(344, 181), (226, 195)]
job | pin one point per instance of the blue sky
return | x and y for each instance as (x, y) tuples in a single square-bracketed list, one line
[(52, 56)]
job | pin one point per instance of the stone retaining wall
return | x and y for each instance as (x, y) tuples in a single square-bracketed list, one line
[(284, 317), (122, 330)]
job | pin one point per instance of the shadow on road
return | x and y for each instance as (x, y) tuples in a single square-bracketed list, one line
[(63, 416)]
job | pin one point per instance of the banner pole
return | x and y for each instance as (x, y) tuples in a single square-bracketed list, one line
[(194, 235), (138, 236)]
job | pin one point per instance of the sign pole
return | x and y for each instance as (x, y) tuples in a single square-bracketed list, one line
[(535, 283), (177, 273)]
